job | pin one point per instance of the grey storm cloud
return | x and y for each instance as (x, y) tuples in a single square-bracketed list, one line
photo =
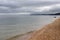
[(21, 6)]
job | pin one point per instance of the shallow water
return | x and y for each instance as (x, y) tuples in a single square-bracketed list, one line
[(11, 25)]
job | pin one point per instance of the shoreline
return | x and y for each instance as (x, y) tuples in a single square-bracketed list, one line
[(19, 36), (25, 35)]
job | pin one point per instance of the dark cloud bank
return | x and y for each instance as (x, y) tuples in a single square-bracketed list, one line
[(29, 6)]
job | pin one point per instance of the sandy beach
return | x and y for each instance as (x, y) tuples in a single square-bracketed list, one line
[(49, 32)]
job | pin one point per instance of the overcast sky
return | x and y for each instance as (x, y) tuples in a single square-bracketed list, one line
[(29, 6)]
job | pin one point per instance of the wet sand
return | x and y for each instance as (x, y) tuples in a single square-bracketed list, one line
[(25, 36)]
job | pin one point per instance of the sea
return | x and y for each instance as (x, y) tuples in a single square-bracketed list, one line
[(11, 25)]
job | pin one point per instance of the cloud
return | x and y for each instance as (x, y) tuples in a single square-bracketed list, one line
[(48, 9), (29, 6)]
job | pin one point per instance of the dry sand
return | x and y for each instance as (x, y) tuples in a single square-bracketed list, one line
[(48, 32)]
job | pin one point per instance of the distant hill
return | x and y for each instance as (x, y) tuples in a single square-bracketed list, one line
[(46, 14)]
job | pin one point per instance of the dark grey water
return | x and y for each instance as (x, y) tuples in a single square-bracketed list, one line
[(11, 25)]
